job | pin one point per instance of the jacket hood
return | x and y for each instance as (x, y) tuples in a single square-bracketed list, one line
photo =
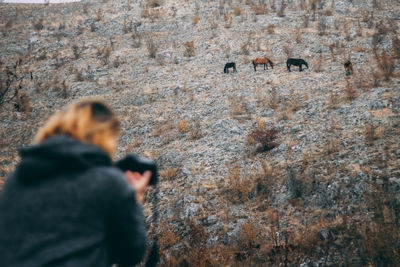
[(58, 155)]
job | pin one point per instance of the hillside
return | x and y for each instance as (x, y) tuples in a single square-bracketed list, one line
[(325, 191)]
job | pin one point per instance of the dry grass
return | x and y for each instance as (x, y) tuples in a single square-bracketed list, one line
[(170, 174)]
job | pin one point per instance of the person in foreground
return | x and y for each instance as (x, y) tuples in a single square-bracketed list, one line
[(66, 204)]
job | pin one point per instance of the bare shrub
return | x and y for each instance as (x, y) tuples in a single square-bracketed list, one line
[(245, 48), (287, 50), (98, 15), (306, 21), (153, 3), (238, 105), (299, 37), (322, 26), (281, 10), (228, 20), (195, 131), (189, 49), (396, 47), (333, 99), (259, 9), (237, 11), (386, 64), (332, 50), (319, 64), (136, 39), (195, 19), (38, 25), (152, 47), (22, 102), (350, 92), (372, 133), (271, 28), (238, 189)]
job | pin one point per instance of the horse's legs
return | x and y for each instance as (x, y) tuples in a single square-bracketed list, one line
[(254, 65), (300, 68), (288, 66), (265, 65), (234, 68)]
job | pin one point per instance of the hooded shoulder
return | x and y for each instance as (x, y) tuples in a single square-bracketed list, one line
[(56, 155)]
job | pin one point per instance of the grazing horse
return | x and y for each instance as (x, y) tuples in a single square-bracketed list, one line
[(348, 66), (230, 65), (262, 61), (296, 62)]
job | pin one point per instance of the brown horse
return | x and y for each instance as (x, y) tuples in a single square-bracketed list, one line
[(262, 61), (348, 66)]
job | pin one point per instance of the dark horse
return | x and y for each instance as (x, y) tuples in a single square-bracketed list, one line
[(230, 65), (296, 62), (348, 66), (262, 61)]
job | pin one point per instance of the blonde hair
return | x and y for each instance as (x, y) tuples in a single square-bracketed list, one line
[(88, 121)]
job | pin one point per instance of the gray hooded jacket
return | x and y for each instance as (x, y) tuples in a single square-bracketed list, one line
[(67, 205)]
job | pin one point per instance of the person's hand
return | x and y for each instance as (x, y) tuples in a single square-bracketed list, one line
[(139, 183)]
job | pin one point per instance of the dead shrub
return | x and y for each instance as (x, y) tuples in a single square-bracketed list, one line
[(228, 20), (386, 64), (299, 37), (350, 92), (153, 3), (271, 28), (287, 50), (237, 189), (38, 25), (333, 99), (259, 9), (281, 10), (189, 49), (195, 19), (238, 105), (98, 15), (237, 11), (322, 26), (372, 133), (22, 102), (245, 48), (152, 47), (170, 173), (183, 126)]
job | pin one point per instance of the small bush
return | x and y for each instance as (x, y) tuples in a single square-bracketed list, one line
[(189, 49), (265, 139)]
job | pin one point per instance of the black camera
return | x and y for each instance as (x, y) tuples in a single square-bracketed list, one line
[(135, 163)]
